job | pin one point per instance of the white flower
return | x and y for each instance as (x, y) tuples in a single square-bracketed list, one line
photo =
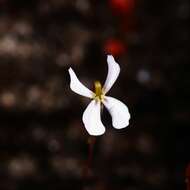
[(92, 115)]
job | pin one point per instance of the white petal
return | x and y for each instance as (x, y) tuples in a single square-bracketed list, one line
[(77, 86), (113, 72), (92, 120), (119, 112)]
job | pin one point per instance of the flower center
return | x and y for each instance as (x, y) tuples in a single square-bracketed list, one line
[(99, 95)]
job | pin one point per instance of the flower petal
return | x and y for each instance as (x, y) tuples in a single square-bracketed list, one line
[(119, 112), (77, 86), (113, 72), (92, 120)]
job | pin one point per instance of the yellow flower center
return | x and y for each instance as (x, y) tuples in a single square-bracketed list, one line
[(99, 94)]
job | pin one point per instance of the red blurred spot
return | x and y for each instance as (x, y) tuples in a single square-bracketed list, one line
[(122, 6), (114, 47), (187, 172)]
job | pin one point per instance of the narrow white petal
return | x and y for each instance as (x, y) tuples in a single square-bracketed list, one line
[(92, 120), (113, 72), (119, 112), (77, 86)]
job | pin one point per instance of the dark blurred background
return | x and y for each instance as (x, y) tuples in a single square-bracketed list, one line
[(43, 143)]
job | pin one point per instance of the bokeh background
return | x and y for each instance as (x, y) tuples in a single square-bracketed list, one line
[(43, 143)]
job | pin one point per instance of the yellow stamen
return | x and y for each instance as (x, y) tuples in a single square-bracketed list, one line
[(98, 88), (98, 91)]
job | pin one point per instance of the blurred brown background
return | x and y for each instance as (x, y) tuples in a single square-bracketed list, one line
[(43, 144)]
